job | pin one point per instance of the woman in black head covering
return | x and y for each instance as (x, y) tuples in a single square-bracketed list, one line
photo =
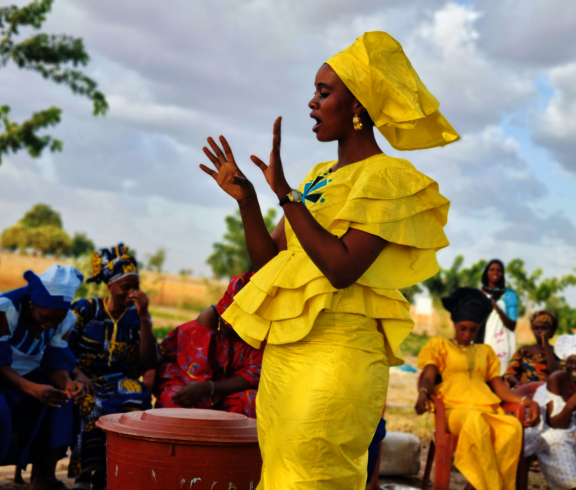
[(489, 441), (498, 330)]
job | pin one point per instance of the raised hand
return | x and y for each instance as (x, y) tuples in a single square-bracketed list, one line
[(228, 176), (274, 172), (141, 301)]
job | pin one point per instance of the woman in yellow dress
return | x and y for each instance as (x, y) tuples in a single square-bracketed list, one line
[(489, 441), (325, 295)]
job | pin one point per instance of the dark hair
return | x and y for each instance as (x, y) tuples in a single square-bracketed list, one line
[(502, 282)]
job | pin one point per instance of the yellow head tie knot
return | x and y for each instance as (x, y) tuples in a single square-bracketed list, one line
[(379, 74)]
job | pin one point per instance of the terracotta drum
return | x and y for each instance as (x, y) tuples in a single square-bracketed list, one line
[(176, 448)]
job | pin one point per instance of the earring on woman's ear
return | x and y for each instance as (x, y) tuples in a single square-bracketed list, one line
[(357, 123)]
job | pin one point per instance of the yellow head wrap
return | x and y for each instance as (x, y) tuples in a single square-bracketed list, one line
[(379, 74)]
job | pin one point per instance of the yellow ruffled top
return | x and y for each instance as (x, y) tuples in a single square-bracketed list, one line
[(465, 372), (381, 195)]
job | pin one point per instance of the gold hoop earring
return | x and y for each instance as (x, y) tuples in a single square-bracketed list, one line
[(357, 123)]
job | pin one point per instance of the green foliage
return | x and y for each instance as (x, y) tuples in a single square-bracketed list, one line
[(169, 316), (533, 290), (564, 312), (411, 292), (447, 280), (18, 136), (40, 230), (81, 245), (41, 215), (54, 57), (88, 290), (156, 260), (230, 257), (161, 332), (414, 343)]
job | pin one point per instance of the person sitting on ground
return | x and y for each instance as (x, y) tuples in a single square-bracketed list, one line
[(489, 441), (554, 439), (36, 389), (535, 362), (114, 345), (207, 365)]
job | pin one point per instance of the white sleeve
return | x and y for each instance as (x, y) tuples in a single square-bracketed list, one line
[(12, 315), (57, 339), (557, 401)]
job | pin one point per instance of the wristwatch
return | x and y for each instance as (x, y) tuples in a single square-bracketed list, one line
[(293, 196)]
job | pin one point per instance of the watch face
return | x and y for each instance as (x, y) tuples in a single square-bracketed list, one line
[(296, 195)]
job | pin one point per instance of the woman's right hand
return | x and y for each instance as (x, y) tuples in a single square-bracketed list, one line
[(423, 404), (228, 176), (49, 395)]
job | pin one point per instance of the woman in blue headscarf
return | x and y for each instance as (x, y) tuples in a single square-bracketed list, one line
[(113, 344), (36, 388)]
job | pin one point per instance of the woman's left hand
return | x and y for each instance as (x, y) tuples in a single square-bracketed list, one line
[(80, 377), (141, 301), (274, 172), (75, 390), (533, 416)]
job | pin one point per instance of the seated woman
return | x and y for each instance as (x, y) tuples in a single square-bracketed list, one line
[(35, 365), (489, 441), (113, 344), (535, 362), (207, 365), (554, 439)]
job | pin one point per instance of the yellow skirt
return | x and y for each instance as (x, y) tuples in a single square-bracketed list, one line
[(489, 445), (319, 403)]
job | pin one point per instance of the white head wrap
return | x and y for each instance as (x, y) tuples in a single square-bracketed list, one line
[(565, 346)]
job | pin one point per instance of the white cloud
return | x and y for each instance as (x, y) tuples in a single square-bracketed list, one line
[(555, 128)]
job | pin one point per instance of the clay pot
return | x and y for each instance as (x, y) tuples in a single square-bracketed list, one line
[(177, 448)]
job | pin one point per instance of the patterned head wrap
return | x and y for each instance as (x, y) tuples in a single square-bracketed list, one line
[(379, 74), (110, 264), (468, 304), (234, 287), (55, 287), (543, 316), (565, 346)]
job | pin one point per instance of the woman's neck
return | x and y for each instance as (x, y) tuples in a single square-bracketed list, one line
[(357, 146), (114, 309)]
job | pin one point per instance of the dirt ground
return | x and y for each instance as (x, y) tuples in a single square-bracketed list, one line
[(400, 417)]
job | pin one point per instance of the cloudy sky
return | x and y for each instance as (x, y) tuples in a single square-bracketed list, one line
[(178, 71)]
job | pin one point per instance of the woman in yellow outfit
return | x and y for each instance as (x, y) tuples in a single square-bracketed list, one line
[(489, 441), (325, 294)]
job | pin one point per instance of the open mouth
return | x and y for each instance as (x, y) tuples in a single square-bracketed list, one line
[(317, 125)]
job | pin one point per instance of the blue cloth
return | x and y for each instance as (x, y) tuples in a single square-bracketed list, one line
[(110, 264), (55, 287), (374, 447), (5, 353), (58, 358), (5, 428), (35, 427), (510, 299), (27, 350), (114, 371)]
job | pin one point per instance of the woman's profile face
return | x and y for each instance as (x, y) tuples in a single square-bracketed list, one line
[(332, 106), (466, 332), (495, 273), (570, 366), (121, 289)]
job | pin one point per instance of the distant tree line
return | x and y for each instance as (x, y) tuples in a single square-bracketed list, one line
[(40, 232), (230, 258)]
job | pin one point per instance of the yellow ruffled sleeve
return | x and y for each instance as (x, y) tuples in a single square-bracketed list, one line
[(434, 352), (393, 200)]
